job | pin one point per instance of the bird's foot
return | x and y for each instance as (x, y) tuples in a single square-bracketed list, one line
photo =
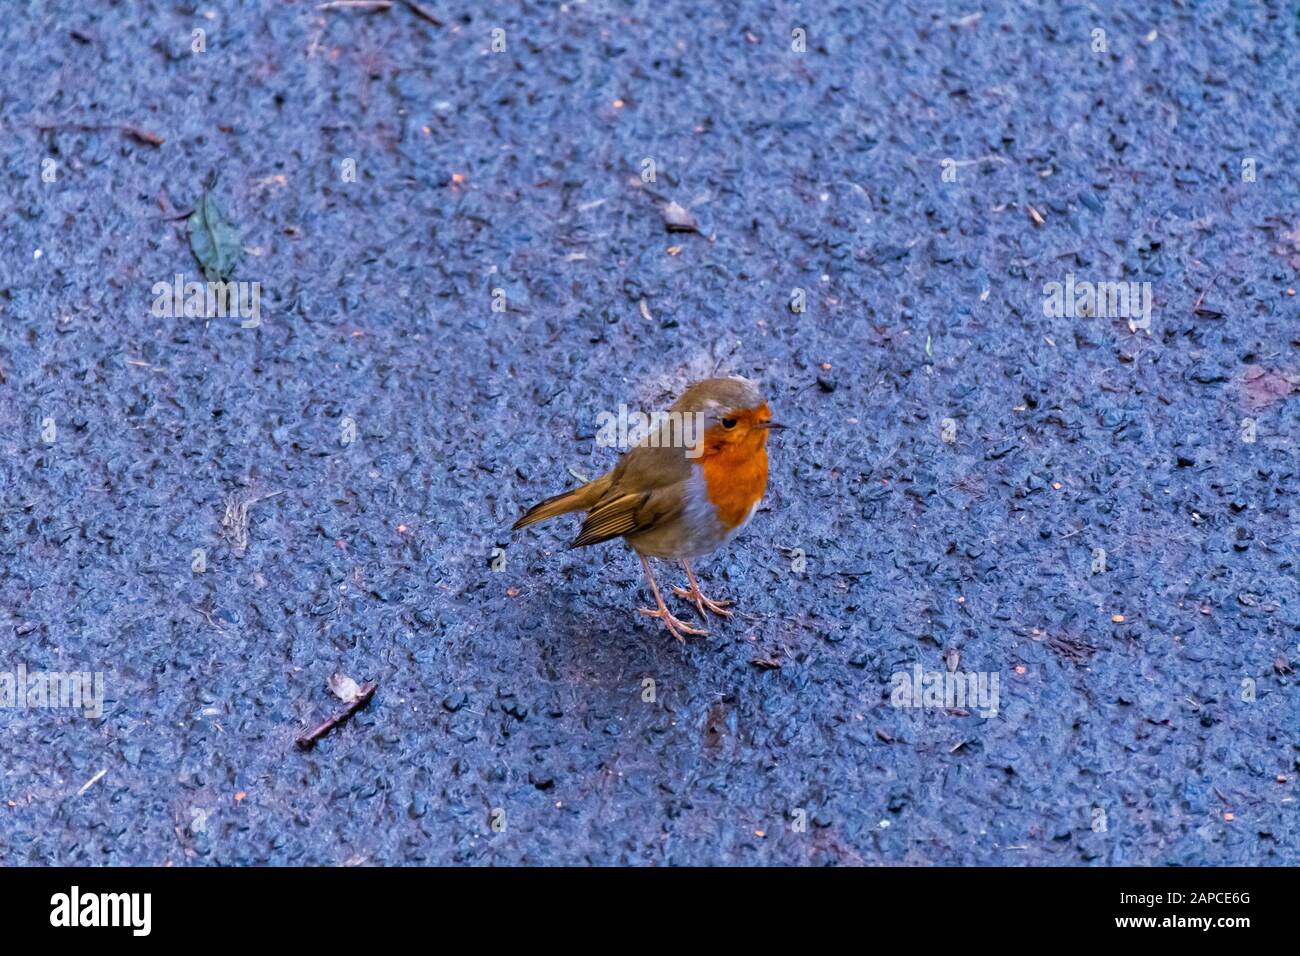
[(676, 627), (696, 597)]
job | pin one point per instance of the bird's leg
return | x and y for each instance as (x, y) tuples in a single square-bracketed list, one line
[(696, 596), (675, 627)]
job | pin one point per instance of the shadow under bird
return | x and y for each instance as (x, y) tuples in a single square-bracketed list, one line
[(681, 492)]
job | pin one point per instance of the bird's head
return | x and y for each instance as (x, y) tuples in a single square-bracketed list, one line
[(735, 414)]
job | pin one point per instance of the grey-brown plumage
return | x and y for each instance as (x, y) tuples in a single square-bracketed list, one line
[(647, 488), (682, 491)]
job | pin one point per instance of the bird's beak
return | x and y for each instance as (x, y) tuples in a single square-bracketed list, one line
[(770, 425)]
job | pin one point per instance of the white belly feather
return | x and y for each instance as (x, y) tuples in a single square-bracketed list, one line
[(698, 532)]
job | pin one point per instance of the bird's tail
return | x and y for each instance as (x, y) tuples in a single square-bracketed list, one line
[(582, 498)]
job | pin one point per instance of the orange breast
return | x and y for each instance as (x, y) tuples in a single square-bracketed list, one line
[(736, 479)]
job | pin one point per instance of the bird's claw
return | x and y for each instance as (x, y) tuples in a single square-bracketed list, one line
[(676, 626), (696, 597)]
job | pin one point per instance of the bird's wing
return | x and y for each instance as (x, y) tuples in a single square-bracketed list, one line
[(647, 488), (631, 514)]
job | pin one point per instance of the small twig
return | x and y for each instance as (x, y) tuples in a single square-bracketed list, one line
[(168, 211), (373, 5), (421, 12), (91, 782), (143, 135), (1201, 298), (308, 740), (135, 132), (967, 162), (207, 616)]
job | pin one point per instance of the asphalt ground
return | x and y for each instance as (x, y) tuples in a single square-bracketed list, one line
[(462, 261)]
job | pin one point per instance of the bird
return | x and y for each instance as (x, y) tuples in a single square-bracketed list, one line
[(683, 491)]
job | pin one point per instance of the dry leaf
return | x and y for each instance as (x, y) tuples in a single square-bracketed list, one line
[(1264, 386)]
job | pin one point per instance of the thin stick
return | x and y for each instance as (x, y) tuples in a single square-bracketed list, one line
[(375, 5), (135, 132), (308, 740), (207, 616), (91, 782), (421, 12), (1201, 298)]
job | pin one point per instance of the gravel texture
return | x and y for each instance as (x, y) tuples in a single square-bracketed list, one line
[(500, 273)]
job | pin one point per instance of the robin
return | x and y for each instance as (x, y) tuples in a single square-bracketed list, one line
[(683, 491)]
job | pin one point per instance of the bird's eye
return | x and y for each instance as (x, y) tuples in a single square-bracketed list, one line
[(728, 423)]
